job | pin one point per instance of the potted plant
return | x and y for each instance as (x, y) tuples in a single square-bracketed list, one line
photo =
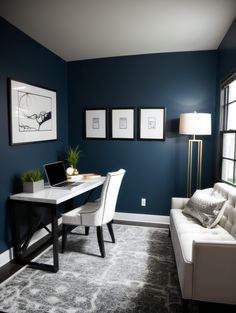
[(32, 181), (72, 157)]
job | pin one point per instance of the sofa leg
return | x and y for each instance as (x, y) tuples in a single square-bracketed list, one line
[(169, 232), (190, 305), (185, 305)]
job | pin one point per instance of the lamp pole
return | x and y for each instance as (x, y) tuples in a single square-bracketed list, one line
[(191, 142)]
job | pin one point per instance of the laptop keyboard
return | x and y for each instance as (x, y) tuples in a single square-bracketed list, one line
[(65, 184)]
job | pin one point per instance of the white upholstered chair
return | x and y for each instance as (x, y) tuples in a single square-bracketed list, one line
[(96, 213)]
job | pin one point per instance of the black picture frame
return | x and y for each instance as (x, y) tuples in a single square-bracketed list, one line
[(32, 113), (122, 123), (95, 123), (152, 123)]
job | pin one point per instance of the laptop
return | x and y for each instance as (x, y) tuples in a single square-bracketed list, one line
[(56, 176)]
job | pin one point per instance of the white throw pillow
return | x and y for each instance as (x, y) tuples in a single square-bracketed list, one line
[(207, 209)]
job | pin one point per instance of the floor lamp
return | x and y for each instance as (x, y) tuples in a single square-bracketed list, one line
[(194, 124)]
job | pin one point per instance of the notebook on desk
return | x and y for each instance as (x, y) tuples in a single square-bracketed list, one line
[(56, 176)]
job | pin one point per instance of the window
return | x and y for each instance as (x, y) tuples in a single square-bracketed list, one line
[(228, 130)]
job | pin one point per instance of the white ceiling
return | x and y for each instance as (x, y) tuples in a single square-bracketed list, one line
[(85, 29)]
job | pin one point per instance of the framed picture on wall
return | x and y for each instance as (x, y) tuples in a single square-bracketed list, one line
[(122, 123), (95, 123), (152, 123), (33, 113)]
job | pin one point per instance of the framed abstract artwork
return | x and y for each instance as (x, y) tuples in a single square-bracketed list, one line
[(95, 123), (122, 123), (152, 123), (33, 113)]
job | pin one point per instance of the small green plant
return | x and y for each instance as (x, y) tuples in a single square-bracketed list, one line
[(72, 156), (31, 176)]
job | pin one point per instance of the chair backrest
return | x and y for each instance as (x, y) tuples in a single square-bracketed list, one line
[(110, 193)]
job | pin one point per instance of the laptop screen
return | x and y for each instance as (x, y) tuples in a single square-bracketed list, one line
[(55, 173)]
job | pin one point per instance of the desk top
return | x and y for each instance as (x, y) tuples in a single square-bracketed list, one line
[(59, 195)]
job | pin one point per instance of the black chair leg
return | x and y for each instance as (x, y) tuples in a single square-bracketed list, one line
[(101, 241), (64, 237), (86, 230), (110, 228)]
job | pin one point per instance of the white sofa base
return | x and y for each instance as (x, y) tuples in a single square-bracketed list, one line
[(206, 258)]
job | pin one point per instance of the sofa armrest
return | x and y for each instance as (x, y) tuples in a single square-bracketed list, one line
[(214, 271), (178, 203)]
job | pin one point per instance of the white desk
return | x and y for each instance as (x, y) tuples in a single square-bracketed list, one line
[(59, 195), (49, 198)]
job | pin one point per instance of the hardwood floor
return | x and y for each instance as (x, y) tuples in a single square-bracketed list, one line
[(11, 268), (8, 270)]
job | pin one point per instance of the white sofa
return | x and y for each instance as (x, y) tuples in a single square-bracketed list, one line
[(206, 257)]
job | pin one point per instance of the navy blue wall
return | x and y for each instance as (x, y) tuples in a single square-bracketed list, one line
[(181, 82), (227, 53), (23, 59)]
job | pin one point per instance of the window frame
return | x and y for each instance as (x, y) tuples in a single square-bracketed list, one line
[(224, 110)]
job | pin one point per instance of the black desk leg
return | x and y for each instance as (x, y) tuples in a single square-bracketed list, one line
[(88, 196), (55, 267), (17, 252), (55, 239)]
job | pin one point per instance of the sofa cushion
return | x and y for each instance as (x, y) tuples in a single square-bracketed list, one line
[(205, 208), (188, 231)]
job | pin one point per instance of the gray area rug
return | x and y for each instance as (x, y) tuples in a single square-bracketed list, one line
[(137, 276)]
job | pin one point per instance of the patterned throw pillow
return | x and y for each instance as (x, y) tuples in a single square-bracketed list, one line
[(206, 209)]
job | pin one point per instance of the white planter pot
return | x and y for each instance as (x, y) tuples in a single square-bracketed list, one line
[(31, 187)]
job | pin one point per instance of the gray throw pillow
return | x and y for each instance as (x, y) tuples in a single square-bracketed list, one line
[(204, 208)]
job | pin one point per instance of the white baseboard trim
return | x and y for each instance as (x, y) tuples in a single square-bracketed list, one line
[(7, 255), (142, 218)]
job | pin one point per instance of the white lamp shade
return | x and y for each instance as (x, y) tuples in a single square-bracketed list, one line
[(195, 124)]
